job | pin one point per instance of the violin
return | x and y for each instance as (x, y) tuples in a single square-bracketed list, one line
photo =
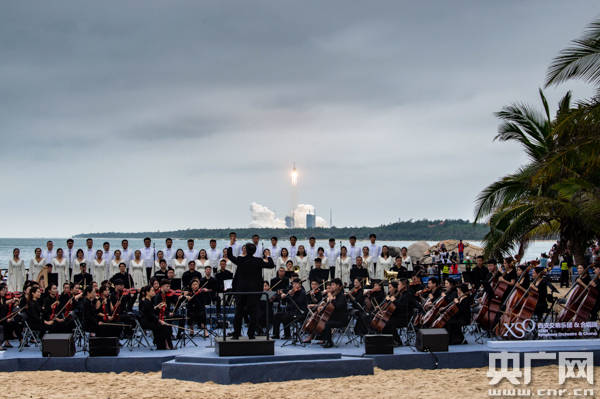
[(53, 307), (423, 291)]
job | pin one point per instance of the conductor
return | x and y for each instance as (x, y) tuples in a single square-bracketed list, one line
[(248, 278)]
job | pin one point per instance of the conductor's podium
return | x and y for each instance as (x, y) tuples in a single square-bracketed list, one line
[(260, 346)]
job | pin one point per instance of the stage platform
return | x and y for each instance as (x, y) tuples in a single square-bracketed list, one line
[(145, 360)]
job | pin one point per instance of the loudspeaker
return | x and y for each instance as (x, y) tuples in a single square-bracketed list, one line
[(382, 344), (104, 346), (58, 345), (432, 340)]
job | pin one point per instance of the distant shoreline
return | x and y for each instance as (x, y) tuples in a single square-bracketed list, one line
[(430, 230)]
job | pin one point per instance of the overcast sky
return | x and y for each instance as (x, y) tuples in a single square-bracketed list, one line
[(131, 116)]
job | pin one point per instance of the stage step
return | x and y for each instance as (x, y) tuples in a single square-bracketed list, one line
[(236, 370)]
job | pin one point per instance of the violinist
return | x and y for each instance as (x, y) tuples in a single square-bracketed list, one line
[(9, 306), (209, 286), (317, 273), (405, 303), (358, 270), (67, 302), (123, 276), (196, 307), (163, 301), (104, 315), (462, 317), (339, 317), (314, 296), (55, 323), (150, 321), (280, 282), (296, 308)]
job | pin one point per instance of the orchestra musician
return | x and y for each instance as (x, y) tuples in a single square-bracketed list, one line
[(55, 322), (196, 307), (104, 315), (358, 270), (315, 295), (83, 278), (34, 311), (280, 282), (374, 296), (405, 303), (339, 317), (150, 321), (8, 306), (209, 285), (541, 306), (296, 306), (264, 306), (317, 273), (434, 291), (122, 275), (462, 317), (163, 302), (189, 275)]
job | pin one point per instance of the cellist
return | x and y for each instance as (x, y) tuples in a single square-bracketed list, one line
[(405, 302), (596, 307), (339, 317), (462, 317), (542, 303), (509, 276)]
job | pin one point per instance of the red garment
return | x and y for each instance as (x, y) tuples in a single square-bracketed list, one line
[(461, 247)]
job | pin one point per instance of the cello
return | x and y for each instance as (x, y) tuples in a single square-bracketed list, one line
[(574, 298), (488, 313), (384, 312), (528, 304), (448, 312), (315, 324), (584, 311), (514, 302)]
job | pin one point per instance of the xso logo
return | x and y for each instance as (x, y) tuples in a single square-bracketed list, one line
[(519, 329)]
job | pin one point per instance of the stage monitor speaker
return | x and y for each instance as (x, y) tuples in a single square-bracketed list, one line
[(382, 344), (432, 340), (58, 345), (104, 346)]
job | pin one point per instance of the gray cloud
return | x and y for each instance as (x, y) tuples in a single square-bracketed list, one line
[(133, 116)]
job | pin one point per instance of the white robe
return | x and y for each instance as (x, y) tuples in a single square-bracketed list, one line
[(342, 268), (302, 263), (35, 268), (138, 273), (16, 275), (77, 268), (384, 264), (114, 266), (62, 269), (99, 270), (180, 266)]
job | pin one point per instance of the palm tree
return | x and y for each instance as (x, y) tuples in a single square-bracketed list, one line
[(513, 203), (579, 61)]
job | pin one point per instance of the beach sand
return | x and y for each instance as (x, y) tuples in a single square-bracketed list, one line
[(467, 383)]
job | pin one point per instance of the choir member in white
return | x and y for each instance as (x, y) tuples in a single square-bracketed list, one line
[(149, 256), (60, 266), (115, 262), (79, 259), (16, 272), (169, 252), (202, 260), (190, 252), (49, 253), (324, 262), (99, 268), (293, 249), (274, 248), (368, 261), (343, 265), (332, 254), (107, 255), (179, 263), (384, 262), (137, 269), (406, 260), (160, 255), (89, 252), (126, 252), (236, 247), (302, 261), (353, 249), (36, 264), (282, 260), (259, 246), (374, 251), (312, 251), (213, 254)]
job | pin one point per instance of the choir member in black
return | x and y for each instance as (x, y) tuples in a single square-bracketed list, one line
[(33, 312), (161, 273), (398, 266), (83, 278), (405, 302), (479, 274), (280, 282), (223, 274), (196, 307), (317, 273), (315, 295), (375, 296), (359, 271), (55, 322), (541, 306), (339, 317), (164, 302), (189, 275), (123, 276), (150, 321), (454, 326), (248, 278), (295, 309), (210, 286)]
